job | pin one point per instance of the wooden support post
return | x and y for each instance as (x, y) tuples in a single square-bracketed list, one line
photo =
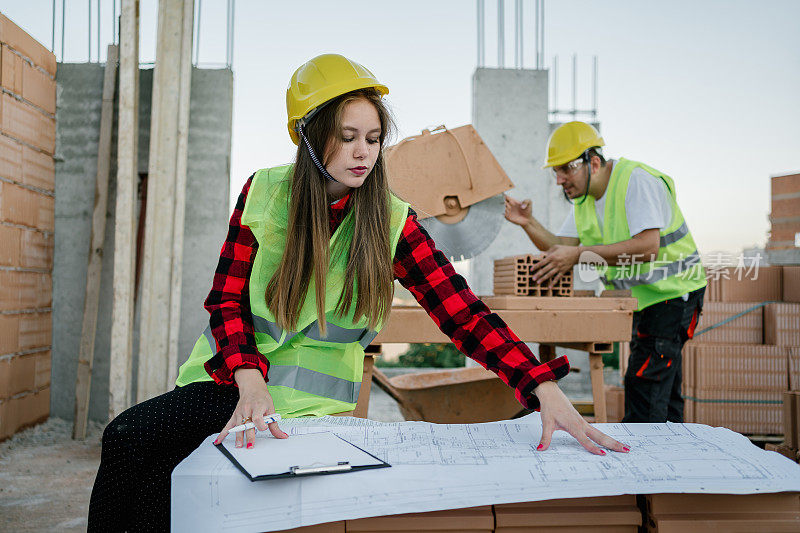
[(159, 292), (180, 193), (624, 355), (362, 407), (598, 388), (125, 230), (547, 352), (91, 301)]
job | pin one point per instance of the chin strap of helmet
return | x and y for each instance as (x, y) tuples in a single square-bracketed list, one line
[(588, 163), (314, 158)]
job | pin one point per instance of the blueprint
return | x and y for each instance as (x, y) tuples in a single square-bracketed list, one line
[(449, 466)]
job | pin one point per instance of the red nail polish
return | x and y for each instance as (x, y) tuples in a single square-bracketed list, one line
[(249, 445), (602, 452), (540, 447), (626, 448)]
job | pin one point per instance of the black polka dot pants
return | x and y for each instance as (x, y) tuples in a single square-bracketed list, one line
[(143, 445)]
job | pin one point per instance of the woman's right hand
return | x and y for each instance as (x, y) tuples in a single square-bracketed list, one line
[(517, 212), (254, 403)]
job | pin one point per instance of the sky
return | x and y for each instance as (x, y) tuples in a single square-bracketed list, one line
[(705, 91)]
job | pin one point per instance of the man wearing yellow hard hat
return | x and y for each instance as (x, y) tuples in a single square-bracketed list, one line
[(626, 218)]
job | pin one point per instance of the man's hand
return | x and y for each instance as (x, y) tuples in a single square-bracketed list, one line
[(556, 262), (517, 212)]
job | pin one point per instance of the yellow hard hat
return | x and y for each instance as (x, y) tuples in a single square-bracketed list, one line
[(569, 141), (322, 79)]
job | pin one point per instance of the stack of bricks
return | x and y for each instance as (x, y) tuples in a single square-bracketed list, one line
[(735, 374), (27, 202), (790, 447), (514, 276), (739, 387), (700, 513)]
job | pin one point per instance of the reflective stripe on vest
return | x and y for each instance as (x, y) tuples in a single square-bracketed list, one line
[(335, 333), (666, 240), (304, 379), (656, 274), (312, 382)]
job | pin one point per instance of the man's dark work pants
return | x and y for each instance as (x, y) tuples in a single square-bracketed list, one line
[(653, 378)]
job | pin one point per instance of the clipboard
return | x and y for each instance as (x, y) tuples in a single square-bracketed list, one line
[(300, 455)]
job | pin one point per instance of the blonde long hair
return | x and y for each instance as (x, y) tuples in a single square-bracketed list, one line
[(307, 252)]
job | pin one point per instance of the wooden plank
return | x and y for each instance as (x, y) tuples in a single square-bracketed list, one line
[(594, 347), (125, 230), (598, 387), (558, 302), (94, 271), (412, 324), (362, 406), (180, 193), (157, 285)]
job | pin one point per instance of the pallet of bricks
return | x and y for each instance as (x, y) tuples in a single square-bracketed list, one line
[(514, 276), (700, 513), (607, 514), (790, 447), (735, 375), (627, 513), (27, 201)]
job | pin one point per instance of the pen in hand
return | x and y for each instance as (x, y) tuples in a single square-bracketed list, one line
[(250, 425)]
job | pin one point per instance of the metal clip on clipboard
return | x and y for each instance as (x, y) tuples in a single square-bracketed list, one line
[(342, 466)]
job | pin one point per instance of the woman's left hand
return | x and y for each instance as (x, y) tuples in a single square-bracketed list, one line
[(558, 413)]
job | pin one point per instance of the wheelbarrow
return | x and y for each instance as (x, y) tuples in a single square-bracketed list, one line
[(455, 396)]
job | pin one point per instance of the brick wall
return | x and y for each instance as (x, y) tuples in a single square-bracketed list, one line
[(27, 200)]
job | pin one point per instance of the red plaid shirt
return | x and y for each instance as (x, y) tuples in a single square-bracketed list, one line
[(420, 268)]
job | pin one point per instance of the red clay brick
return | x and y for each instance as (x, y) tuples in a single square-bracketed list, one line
[(34, 408), (24, 122), (17, 375), (10, 243), (10, 158), (38, 88), (38, 169), (36, 249), (20, 291), (26, 207), (27, 46), (7, 425), (9, 334), (35, 330), (11, 73), (42, 373)]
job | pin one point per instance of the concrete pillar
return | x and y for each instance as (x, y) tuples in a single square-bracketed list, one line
[(159, 291), (125, 227), (510, 112)]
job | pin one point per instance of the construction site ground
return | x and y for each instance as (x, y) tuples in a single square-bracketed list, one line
[(46, 477)]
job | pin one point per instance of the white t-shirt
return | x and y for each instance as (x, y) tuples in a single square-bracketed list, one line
[(647, 205)]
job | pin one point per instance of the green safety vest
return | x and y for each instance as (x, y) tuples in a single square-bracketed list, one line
[(677, 269), (309, 375)]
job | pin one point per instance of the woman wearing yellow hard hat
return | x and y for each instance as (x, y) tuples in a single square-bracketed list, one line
[(304, 283)]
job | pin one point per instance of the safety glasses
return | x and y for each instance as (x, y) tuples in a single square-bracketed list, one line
[(567, 168)]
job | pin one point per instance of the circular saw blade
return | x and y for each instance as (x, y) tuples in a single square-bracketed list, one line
[(470, 236)]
